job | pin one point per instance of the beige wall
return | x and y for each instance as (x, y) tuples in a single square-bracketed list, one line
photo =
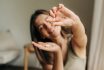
[(83, 8), (96, 54), (15, 15)]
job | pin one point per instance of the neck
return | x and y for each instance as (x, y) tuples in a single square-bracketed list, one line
[(62, 42)]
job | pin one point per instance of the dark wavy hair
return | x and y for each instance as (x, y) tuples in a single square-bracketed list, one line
[(43, 56), (35, 34)]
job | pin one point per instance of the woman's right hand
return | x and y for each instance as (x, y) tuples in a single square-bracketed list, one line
[(62, 11), (62, 16)]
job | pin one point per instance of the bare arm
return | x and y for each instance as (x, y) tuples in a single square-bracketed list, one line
[(58, 61), (79, 40), (70, 19), (56, 50)]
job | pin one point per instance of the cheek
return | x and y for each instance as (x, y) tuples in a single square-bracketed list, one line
[(44, 33)]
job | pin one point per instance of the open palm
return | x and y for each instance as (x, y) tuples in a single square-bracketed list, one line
[(48, 46)]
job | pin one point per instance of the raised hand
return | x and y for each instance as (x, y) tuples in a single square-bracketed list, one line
[(63, 16), (63, 11)]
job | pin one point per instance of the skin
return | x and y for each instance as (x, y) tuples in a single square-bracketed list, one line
[(79, 40), (62, 17), (52, 32), (56, 50), (46, 28)]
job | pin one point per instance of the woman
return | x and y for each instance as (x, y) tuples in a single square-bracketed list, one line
[(46, 34), (52, 28)]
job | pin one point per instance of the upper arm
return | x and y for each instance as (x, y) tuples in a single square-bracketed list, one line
[(79, 45), (81, 41)]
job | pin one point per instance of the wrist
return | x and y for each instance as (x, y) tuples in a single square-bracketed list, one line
[(58, 53)]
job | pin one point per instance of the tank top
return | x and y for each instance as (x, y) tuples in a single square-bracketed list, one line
[(74, 62)]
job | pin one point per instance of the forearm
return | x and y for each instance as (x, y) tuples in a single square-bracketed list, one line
[(63, 45), (79, 35), (78, 29), (58, 61)]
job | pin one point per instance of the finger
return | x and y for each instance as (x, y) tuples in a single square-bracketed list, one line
[(40, 46), (66, 11), (46, 47), (58, 24), (54, 9), (50, 19), (65, 22), (49, 48), (44, 44), (37, 45), (41, 43), (34, 43), (51, 13), (56, 19), (60, 6)]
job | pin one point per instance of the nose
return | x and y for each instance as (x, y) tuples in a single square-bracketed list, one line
[(48, 27)]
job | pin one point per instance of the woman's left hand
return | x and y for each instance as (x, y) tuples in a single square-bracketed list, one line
[(48, 46)]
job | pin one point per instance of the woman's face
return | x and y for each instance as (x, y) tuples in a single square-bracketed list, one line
[(46, 28)]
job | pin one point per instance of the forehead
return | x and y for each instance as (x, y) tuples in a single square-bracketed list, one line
[(41, 18)]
